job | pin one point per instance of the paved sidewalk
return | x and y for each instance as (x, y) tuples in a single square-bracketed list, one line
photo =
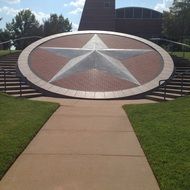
[(85, 145)]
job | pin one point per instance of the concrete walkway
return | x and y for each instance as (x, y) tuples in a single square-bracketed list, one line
[(85, 145)]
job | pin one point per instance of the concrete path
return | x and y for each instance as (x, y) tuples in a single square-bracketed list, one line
[(85, 145)]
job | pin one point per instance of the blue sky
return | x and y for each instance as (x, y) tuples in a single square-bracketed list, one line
[(68, 8)]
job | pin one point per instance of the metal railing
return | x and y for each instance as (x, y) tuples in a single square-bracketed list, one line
[(11, 41), (22, 81), (163, 83), (18, 39), (173, 47)]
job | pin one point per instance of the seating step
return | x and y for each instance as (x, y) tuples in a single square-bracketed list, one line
[(23, 91)]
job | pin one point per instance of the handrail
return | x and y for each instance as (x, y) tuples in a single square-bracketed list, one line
[(5, 72), (170, 41), (174, 75), (182, 79), (23, 38), (4, 79)]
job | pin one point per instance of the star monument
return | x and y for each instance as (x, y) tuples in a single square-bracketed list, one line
[(96, 55), (95, 65)]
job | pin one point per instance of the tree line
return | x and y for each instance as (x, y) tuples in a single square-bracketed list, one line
[(176, 22), (26, 25), (176, 25)]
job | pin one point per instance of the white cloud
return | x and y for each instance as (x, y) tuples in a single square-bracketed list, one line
[(40, 16), (78, 4), (11, 1), (9, 11), (76, 11), (75, 26), (164, 6)]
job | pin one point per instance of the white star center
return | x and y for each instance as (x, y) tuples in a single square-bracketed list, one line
[(96, 55)]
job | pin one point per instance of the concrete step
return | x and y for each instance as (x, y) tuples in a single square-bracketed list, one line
[(23, 91), (5, 61), (182, 71), (187, 80), (186, 76), (13, 79), (29, 95), (168, 95), (7, 67), (157, 98), (13, 75), (179, 83), (24, 87), (9, 58), (16, 83), (177, 87), (13, 70), (174, 91), (8, 61)]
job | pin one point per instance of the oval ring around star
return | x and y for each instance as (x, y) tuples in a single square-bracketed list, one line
[(95, 65)]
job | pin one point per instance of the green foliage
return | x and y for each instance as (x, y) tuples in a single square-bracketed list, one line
[(23, 25), (20, 120), (56, 24), (7, 52), (5, 36), (185, 55), (164, 132), (176, 22)]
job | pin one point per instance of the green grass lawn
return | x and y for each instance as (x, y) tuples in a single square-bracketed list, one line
[(6, 52), (186, 55), (20, 120), (164, 133)]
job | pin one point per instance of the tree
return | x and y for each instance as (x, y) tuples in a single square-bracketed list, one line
[(176, 22), (56, 24), (5, 37), (24, 25)]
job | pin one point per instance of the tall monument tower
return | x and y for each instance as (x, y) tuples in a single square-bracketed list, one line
[(98, 15)]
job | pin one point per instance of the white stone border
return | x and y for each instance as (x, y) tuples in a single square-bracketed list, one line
[(33, 78)]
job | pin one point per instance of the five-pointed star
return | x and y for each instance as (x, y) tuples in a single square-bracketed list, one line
[(96, 55)]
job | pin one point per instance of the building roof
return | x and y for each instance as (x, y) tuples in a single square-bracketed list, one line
[(137, 13)]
